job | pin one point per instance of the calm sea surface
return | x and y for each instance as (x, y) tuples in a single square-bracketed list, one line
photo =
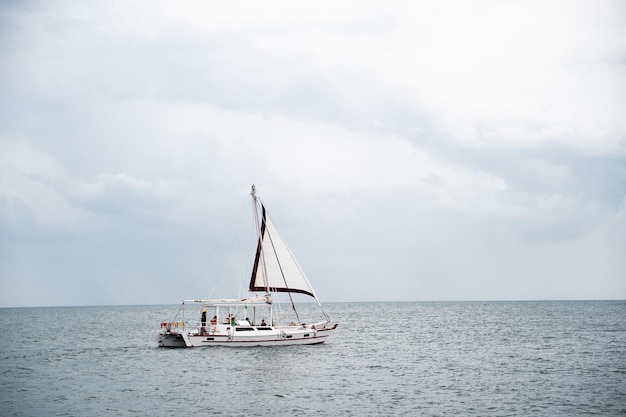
[(423, 359)]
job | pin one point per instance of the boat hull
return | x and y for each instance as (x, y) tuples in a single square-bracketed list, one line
[(272, 337)]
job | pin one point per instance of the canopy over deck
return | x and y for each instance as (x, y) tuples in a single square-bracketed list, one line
[(233, 302)]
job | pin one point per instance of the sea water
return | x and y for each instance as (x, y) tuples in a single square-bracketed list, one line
[(422, 359)]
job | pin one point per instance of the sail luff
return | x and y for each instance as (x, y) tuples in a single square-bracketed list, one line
[(259, 264)]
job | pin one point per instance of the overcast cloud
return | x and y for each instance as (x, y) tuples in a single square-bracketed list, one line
[(446, 150)]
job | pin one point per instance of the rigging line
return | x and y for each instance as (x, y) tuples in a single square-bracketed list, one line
[(280, 266), (178, 312), (212, 253), (295, 261), (263, 231), (280, 236), (252, 244), (230, 248), (292, 256)]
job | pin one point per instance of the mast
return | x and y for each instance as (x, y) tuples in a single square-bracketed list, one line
[(259, 232), (260, 229)]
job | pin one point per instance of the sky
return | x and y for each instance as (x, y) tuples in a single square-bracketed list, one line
[(407, 150)]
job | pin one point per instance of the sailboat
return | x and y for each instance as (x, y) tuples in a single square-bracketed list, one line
[(275, 270)]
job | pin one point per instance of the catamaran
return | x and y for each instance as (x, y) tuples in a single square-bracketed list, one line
[(275, 270)]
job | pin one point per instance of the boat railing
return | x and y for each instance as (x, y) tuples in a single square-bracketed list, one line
[(196, 327), (173, 325)]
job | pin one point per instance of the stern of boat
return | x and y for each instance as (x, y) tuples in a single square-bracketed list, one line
[(169, 339)]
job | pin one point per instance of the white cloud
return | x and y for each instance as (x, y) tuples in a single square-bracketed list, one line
[(514, 73), (455, 148), (316, 158)]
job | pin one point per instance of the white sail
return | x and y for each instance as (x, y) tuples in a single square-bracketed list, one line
[(275, 268)]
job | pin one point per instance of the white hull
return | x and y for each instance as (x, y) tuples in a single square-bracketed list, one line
[(279, 336)]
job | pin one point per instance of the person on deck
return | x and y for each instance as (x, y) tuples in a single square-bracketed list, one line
[(203, 322)]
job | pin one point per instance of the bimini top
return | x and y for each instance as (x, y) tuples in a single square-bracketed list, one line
[(260, 299)]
